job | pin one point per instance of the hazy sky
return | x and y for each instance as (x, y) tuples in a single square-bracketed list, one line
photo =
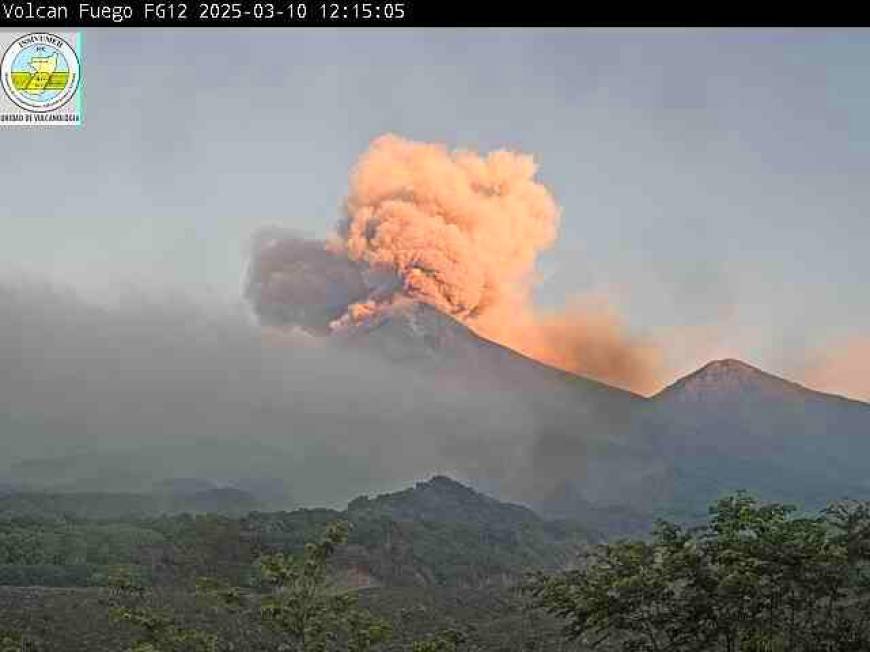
[(710, 180)]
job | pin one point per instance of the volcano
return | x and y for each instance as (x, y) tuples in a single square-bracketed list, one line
[(728, 404), (619, 460), (410, 391), (418, 335), (732, 426)]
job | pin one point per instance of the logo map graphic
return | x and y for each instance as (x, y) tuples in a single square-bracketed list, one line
[(40, 73)]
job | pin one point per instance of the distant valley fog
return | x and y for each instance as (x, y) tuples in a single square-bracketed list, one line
[(118, 398)]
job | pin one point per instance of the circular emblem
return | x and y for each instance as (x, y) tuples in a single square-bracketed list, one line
[(40, 72)]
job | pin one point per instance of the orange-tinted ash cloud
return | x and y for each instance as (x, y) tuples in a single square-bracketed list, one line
[(462, 232)]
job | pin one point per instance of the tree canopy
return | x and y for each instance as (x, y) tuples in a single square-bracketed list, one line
[(754, 578)]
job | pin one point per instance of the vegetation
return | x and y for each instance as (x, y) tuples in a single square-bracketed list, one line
[(449, 640), (755, 578), (158, 629), (115, 506), (438, 533), (434, 562), (436, 569), (15, 642), (306, 610), (299, 603)]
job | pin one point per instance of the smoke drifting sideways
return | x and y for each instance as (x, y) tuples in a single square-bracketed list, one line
[(461, 232), (294, 280), (116, 398)]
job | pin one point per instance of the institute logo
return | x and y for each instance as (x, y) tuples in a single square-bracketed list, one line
[(40, 73)]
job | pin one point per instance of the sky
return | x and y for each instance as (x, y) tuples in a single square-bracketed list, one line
[(714, 183)]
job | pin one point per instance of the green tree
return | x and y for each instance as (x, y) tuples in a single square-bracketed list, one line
[(755, 578), (300, 603), (16, 642), (307, 609), (448, 640), (156, 629)]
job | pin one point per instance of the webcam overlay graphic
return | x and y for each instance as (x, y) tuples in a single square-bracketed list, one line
[(41, 78)]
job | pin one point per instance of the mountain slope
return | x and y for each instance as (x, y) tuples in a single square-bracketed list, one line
[(438, 532), (581, 431), (729, 381), (728, 403), (437, 556), (725, 427), (731, 426), (617, 460), (443, 532), (418, 335)]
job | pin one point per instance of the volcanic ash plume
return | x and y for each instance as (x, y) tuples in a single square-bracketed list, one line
[(297, 281), (461, 231), (458, 231)]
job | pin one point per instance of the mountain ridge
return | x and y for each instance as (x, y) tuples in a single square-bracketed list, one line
[(736, 375), (438, 531), (399, 332), (414, 332)]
